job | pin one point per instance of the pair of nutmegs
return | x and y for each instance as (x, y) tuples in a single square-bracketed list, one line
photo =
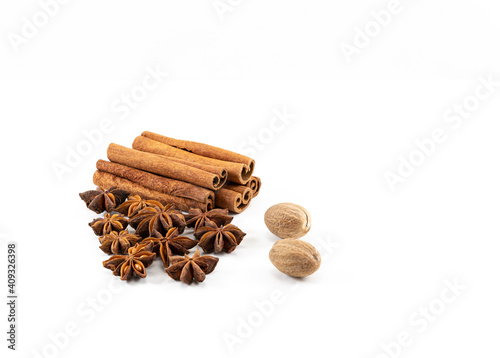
[(291, 256)]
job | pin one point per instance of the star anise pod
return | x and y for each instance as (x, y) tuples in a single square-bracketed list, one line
[(134, 204), (188, 268), (108, 223), (139, 257), (100, 200), (118, 243), (155, 221), (197, 218), (215, 238), (171, 244)]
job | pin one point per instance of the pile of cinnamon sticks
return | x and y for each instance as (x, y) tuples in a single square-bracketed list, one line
[(184, 173)]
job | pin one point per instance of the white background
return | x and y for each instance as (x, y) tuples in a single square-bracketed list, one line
[(386, 253)]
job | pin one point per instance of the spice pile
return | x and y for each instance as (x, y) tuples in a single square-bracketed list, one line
[(183, 173), (145, 188), (290, 255)]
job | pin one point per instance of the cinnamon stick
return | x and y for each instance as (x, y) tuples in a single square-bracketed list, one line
[(237, 172), (245, 191), (162, 166), (254, 183), (158, 183), (107, 180), (229, 199), (220, 171), (202, 149)]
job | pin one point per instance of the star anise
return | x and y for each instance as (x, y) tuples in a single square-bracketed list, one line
[(188, 268), (171, 244), (134, 204), (100, 200), (118, 243), (139, 257), (108, 223), (215, 238), (198, 218), (157, 220)]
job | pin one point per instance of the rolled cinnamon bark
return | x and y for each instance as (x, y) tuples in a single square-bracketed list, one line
[(229, 199), (202, 149), (237, 172), (220, 171), (254, 183), (158, 183), (107, 180), (245, 191), (162, 166)]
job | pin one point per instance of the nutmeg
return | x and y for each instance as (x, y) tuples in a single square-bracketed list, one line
[(295, 258), (287, 220)]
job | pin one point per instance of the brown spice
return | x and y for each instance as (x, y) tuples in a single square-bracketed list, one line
[(139, 257), (197, 218), (254, 183), (220, 171), (106, 180), (156, 221), (225, 198), (157, 183), (171, 244), (216, 239), (160, 165), (295, 258), (188, 268), (287, 220), (153, 143), (245, 191), (108, 223), (118, 243), (100, 200), (208, 151), (134, 204)]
